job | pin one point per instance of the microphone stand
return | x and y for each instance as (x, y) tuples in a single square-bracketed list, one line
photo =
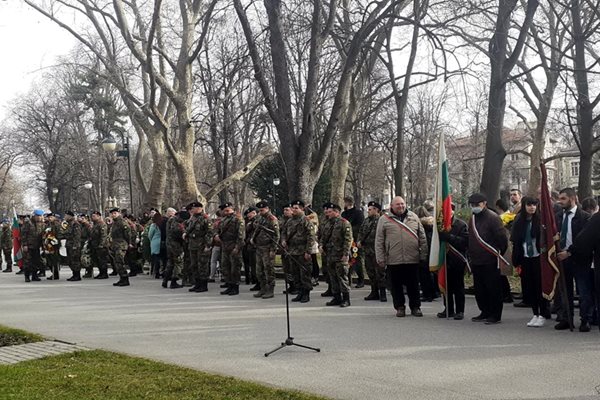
[(289, 341)]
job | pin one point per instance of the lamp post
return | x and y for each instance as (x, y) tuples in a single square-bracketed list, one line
[(276, 183), (54, 198), (110, 145), (88, 186)]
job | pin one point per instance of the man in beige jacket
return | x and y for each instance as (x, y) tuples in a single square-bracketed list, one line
[(401, 245)]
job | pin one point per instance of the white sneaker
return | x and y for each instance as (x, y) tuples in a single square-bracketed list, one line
[(533, 321), (540, 322)]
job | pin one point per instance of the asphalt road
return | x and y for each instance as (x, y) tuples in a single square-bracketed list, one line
[(366, 352)]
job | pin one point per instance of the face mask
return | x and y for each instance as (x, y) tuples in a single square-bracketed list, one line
[(476, 210)]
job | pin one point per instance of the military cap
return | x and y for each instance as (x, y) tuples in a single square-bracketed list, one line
[(114, 210), (262, 204), (195, 204), (297, 203), (288, 205), (374, 204), (71, 213), (333, 206), (249, 210), (477, 198), (97, 213), (225, 205)]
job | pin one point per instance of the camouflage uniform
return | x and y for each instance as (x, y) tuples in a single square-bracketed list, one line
[(120, 236), (231, 231), (31, 236), (265, 237), (249, 252), (336, 242), (366, 237), (174, 248), (52, 248), (72, 235), (199, 236), (86, 257), (6, 244), (285, 260), (300, 237), (99, 247)]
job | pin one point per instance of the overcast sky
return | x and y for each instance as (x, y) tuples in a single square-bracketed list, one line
[(29, 42)]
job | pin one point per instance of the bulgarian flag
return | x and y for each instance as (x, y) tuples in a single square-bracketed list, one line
[(16, 234), (442, 212)]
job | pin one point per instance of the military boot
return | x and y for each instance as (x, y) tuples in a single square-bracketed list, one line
[(291, 288), (103, 274), (88, 274), (305, 296), (235, 290), (255, 287), (27, 275), (269, 292), (34, 277), (174, 284), (202, 286), (260, 292), (328, 292), (374, 295), (165, 283), (228, 290), (382, 295), (123, 281), (345, 300), (336, 301), (76, 277), (299, 296)]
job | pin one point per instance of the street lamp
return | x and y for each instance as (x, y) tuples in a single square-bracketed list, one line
[(88, 186), (276, 183), (110, 145)]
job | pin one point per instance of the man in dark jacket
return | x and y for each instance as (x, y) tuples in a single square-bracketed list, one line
[(571, 221), (456, 262), (356, 217), (487, 243)]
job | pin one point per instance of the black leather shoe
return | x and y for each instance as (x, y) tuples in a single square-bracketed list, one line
[(255, 288), (443, 314), (382, 295), (374, 295), (562, 325), (459, 316), (492, 321), (122, 282), (336, 301), (34, 277), (298, 297), (584, 327), (327, 293), (416, 312), (479, 318), (359, 285)]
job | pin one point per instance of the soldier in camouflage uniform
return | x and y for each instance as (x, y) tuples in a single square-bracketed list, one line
[(265, 238), (231, 233), (120, 237), (249, 251), (86, 231), (285, 259), (99, 246), (175, 230), (198, 234), (52, 246), (299, 239), (6, 244), (31, 239), (72, 235), (324, 227), (336, 242), (366, 242)]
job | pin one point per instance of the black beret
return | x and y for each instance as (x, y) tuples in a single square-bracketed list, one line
[(288, 205), (114, 210), (225, 205), (98, 213), (477, 198), (71, 213), (262, 204), (195, 204), (374, 204), (333, 206), (297, 203)]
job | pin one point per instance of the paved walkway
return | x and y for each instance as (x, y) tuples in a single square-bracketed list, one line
[(32, 351), (366, 352)]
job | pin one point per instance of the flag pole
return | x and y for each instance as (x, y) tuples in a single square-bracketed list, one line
[(562, 287)]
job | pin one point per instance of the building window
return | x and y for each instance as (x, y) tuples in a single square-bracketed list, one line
[(514, 156), (574, 168)]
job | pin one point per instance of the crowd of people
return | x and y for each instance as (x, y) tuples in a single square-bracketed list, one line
[(188, 247)]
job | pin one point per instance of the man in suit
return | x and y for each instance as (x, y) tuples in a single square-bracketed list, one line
[(571, 221)]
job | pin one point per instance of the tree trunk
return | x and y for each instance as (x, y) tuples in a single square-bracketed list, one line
[(494, 150), (158, 183), (584, 108)]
